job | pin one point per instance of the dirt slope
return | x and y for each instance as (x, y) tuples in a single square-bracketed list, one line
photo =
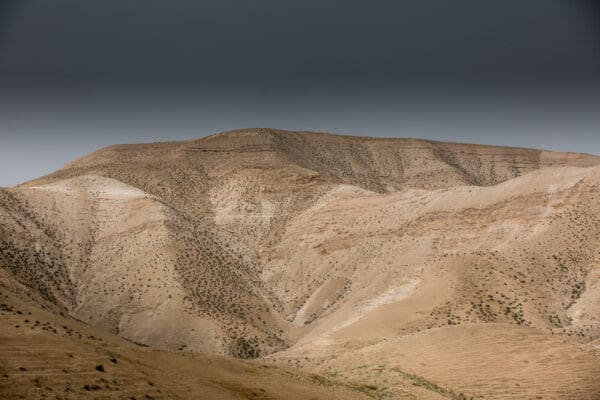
[(44, 355), (350, 256)]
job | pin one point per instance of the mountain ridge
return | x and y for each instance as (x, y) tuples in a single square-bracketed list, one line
[(302, 249), (284, 141)]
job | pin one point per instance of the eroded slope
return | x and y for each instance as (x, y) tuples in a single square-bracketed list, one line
[(330, 252)]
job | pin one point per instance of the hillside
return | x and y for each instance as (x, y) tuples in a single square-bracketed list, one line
[(44, 355), (418, 268)]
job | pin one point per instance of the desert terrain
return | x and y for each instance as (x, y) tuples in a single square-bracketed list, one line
[(269, 264)]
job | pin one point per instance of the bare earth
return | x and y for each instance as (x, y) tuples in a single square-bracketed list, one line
[(271, 264)]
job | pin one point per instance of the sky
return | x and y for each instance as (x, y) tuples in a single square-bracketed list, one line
[(79, 75)]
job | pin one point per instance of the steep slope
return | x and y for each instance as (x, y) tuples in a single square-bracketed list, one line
[(448, 286), (162, 265), (31, 253), (328, 253), (535, 234), (249, 180), (376, 164)]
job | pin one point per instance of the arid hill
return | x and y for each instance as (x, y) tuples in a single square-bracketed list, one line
[(404, 268)]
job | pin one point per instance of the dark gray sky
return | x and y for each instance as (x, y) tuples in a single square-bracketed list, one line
[(77, 75)]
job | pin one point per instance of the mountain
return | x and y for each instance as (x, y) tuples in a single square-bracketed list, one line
[(405, 268)]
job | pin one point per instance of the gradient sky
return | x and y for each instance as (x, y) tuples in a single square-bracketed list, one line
[(78, 75)]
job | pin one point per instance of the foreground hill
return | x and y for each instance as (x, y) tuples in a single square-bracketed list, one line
[(395, 264), (44, 355)]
